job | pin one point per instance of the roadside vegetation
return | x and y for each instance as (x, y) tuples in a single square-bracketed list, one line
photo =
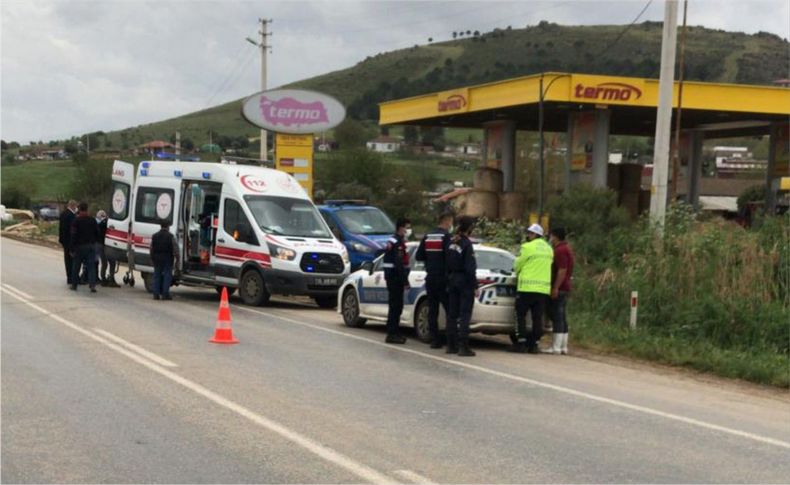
[(713, 296)]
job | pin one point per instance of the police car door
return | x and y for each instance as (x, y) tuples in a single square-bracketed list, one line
[(119, 215), (373, 295)]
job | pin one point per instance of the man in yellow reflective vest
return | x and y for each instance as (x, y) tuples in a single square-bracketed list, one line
[(533, 268)]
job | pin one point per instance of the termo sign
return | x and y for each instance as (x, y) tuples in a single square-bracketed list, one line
[(608, 92)]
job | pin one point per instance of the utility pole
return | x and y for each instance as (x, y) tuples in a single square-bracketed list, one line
[(681, 67), (658, 189), (264, 46)]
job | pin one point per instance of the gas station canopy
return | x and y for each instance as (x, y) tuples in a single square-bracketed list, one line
[(714, 108)]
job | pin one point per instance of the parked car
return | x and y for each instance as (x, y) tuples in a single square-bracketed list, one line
[(363, 295), (362, 228), (47, 213)]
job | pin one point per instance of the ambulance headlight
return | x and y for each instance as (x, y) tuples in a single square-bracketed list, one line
[(280, 252), (362, 248)]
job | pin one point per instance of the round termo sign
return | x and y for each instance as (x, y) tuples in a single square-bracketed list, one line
[(293, 111)]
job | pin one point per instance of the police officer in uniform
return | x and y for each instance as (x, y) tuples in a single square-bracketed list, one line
[(533, 267), (396, 273), (433, 251), (462, 284)]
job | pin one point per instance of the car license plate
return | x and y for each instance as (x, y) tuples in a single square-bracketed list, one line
[(326, 281)]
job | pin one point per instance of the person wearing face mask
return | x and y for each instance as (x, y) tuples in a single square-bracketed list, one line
[(104, 278), (462, 284), (433, 251), (533, 267), (396, 273)]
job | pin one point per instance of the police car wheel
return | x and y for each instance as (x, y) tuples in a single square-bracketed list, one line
[(349, 307), (421, 329), (148, 282), (253, 289)]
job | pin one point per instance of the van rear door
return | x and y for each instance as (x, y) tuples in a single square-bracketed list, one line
[(119, 216)]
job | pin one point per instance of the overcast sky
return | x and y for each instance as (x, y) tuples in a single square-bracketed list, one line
[(70, 67)]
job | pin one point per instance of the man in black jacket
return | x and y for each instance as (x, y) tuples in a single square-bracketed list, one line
[(396, 273), (64, 237), (164, 252), (433, 251), (84, 233), (462, 269)]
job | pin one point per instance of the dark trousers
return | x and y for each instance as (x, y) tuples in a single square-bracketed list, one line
[(84, 254), (68, 261), (461, 300), (532, 303), (557, 313), (395, 288), (436, 289), (163, 278)]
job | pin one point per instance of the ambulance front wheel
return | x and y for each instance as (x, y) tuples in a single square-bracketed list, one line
[(252, 289)]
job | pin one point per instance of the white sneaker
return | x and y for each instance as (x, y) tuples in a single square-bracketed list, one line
[(564, 344)]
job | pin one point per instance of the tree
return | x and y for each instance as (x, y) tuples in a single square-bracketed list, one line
[(476, 33), (434, 136), (411, 134), (3, 145), (352, 134), (455, 34), (186, 144), (430, 39)]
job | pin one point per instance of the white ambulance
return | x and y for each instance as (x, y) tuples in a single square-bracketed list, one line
[(238, 226)]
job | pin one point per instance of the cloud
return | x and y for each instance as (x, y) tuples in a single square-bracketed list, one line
[(70, 67)]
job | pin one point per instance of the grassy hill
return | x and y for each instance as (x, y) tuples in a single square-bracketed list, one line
[(711, 55)]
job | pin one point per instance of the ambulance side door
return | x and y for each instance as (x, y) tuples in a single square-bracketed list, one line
[(157, 199), (237, 242)]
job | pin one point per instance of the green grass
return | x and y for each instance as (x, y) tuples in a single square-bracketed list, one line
[(756, 366), (45, 180)]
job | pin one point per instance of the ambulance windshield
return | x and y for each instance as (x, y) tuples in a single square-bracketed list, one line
[(285, 216)]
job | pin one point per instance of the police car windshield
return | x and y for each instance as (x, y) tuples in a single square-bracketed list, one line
[(286, 216), (494, 260), (366, 221)]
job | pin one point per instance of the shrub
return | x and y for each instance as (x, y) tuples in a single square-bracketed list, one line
[(593, 219), (16, 197)]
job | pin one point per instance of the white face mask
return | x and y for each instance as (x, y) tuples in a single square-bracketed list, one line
[(408, 233)]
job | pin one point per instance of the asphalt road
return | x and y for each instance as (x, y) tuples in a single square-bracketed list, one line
[(118, 388)]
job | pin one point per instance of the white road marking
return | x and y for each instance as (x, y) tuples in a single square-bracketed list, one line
[(136, 348), (17, 291), (362, 471), (412, 477), (525, 380)]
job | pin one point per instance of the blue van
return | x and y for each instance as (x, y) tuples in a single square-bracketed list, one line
[(362, 228)]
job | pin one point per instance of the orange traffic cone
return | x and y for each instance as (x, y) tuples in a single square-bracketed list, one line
[(223, 334)]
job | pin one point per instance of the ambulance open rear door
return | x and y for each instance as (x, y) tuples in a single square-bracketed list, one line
[(118, 240)]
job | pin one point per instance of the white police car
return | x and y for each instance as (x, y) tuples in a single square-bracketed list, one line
[(363, 295)]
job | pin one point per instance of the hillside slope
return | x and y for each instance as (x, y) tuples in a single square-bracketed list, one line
[(711, 55)]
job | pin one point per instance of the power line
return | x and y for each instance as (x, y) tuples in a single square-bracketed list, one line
[(240, 59), (627, 27), (232, 74)]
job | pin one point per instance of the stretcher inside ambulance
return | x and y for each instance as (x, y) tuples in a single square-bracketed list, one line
[(244, 227)]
